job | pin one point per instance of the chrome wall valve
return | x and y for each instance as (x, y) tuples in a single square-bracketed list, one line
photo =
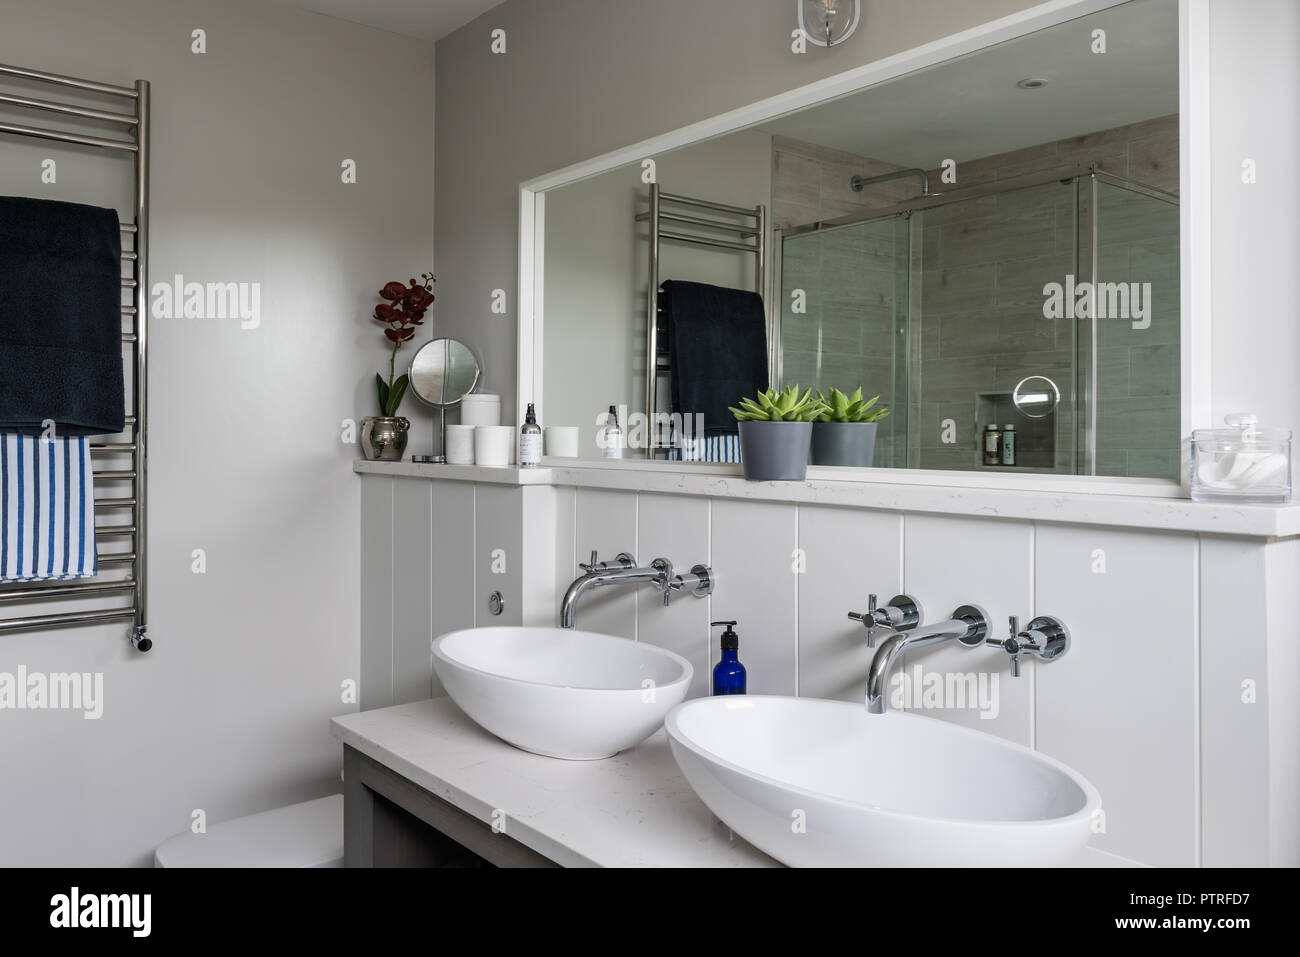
[(903, 613), (1046, 639), (698, 582), (621, 562), (623, 570)]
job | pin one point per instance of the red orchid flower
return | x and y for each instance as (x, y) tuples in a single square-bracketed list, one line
[(403, 309)]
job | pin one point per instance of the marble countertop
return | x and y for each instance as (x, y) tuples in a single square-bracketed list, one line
[(632, 810)]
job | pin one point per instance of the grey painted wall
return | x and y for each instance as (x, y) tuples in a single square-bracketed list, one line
[(229, 712), (583, 77)]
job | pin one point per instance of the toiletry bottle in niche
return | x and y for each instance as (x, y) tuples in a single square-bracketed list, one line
[(613, 443), (1009, 444), (729, 673), (992, 445), (530, 440)]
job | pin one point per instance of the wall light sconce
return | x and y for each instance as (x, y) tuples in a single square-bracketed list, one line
[(827, 23)]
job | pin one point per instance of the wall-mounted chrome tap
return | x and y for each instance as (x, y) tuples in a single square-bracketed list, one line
[(967, 626), (903, 613), (1046, 639), (623, 570)]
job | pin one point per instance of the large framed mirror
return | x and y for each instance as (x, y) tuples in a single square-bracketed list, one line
[(990, 243)]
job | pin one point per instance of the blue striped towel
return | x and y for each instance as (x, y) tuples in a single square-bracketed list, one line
[(712, 448), (47, 509)]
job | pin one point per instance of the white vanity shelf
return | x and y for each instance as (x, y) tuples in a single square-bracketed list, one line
[(1128, 503), (632, 810)]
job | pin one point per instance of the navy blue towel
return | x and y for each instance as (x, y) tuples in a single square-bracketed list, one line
[(717, 348), (60, 318)]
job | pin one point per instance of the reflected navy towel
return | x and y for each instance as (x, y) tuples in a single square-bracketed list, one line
[(60, 318), (47, 509), (717, 344)]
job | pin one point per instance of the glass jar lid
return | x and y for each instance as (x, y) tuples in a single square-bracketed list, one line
[(1243, 429)]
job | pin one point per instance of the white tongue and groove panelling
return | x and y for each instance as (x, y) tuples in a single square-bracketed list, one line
[(1148, 704)]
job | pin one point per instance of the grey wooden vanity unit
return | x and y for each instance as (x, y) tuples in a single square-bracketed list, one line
[(391, 822), (426, 787)]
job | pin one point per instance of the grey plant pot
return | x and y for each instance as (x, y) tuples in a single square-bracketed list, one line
[(844, 443), (775, 451)]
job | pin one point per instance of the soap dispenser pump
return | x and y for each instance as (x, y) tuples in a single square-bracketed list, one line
[(729, 673)]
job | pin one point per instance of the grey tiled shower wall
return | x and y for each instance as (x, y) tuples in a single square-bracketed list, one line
[(978, 312)]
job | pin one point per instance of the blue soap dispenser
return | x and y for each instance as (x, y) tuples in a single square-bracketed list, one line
[(729, 673)]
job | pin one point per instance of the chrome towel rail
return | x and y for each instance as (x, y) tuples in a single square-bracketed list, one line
[(136, 128)]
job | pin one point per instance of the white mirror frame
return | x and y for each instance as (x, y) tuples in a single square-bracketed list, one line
[(1194, 208)]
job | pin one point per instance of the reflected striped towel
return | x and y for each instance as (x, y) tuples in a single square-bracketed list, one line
[(712, 448), (47, 509)]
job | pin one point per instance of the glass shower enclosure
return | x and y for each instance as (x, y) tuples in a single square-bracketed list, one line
[(945, 304)]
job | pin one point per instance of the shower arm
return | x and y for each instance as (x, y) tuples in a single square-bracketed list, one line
[(860, 183)]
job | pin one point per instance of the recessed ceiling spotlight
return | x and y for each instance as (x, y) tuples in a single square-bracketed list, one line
[(1032, 83)]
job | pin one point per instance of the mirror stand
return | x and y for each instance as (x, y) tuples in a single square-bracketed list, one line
[(442, 373), (439, 456)]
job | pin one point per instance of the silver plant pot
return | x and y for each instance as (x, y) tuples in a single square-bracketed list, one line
[(383, 439)]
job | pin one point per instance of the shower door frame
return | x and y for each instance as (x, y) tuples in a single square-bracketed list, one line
[(1084, 377), (1087, 378), (776, 297)]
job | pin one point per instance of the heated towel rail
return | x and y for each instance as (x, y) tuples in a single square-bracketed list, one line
[(739, 228), (133, 125)]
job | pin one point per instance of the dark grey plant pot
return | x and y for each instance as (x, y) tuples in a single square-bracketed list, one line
[(775, 451), (844, 443)]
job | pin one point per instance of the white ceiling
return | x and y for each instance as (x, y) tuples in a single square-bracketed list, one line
[(971, 107), (425, 19)]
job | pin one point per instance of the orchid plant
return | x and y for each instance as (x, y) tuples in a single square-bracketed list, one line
[(401, 311)]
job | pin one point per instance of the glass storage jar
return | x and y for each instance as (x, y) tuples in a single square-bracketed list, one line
[(1242, 464)]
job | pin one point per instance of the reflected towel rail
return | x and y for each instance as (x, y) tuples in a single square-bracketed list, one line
[(748, 224)]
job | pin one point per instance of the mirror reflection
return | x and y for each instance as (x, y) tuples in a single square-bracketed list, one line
[(988, 245)]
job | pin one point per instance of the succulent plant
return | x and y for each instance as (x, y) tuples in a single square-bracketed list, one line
[(850, 408), (787, 405)]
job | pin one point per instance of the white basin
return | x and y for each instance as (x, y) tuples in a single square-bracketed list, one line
[(819, 783), (565, 694)]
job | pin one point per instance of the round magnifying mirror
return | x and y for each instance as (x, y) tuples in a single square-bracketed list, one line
[(1036, 397), (443, 372)]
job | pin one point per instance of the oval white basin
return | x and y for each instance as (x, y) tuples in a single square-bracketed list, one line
[(819, 783), (565, 694)]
